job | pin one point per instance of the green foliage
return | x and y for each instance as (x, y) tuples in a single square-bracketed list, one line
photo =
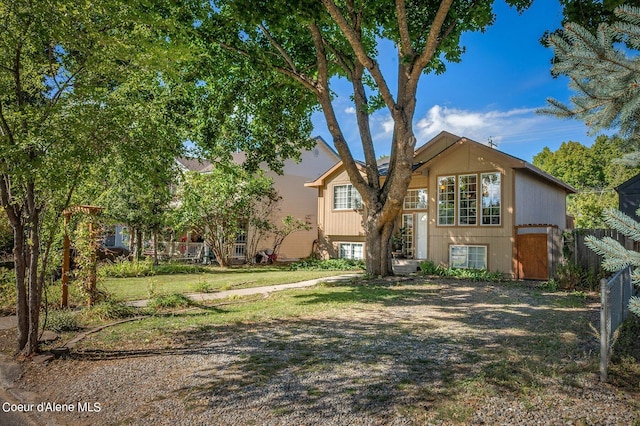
[(570, 276), (6, 235), (169, 301), (311, 264), (220, 204), (109, 310), (429, 268), (594, 171), (124, 268), (61, 320), (604, 77), (304, 48), (7, 289)]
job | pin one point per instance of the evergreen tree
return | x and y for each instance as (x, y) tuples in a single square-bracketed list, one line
[(605, 78)]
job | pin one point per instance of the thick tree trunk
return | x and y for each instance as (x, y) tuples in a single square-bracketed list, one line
[(378, 247), (20, 268), (35, 292)]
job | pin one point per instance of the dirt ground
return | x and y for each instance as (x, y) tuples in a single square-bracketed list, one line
[(421, 352)]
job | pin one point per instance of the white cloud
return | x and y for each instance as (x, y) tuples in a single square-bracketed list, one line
[(520, 131), (350, 110)]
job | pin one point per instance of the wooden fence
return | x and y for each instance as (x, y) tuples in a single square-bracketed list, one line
[(583, 256)]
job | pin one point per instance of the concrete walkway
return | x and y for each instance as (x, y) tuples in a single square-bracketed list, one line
[(201, 297)]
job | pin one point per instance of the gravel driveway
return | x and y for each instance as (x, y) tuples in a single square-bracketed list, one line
[(444, 352)]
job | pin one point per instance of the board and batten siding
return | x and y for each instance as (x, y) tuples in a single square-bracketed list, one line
[(499, 240), (538, 202), (340, 222)]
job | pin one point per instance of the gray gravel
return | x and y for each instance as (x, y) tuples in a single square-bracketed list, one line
[(431, 359)]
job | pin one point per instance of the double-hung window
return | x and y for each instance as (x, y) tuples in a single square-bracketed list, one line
[(346, 197)]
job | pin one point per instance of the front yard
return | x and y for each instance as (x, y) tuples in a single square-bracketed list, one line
[(393, 351)]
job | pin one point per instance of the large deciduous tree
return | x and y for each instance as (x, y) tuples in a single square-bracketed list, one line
[(61, 66), (605, 79), (311, 43)]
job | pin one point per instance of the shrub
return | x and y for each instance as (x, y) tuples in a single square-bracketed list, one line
[(570, 276), (124, 268), (167, 301), (109, 310), (429, 268), (61, 320), (7, 289), (311, 264)]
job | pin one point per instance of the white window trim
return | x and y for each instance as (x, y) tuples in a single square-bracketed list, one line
[(352, 245), (404, 204), (354, 202), (467, 246)]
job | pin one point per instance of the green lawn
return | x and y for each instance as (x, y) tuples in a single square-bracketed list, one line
[(215, 279)]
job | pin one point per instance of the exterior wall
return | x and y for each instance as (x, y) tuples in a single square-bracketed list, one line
[(340, 222), (499, 239), (538, 202), (299, 201)]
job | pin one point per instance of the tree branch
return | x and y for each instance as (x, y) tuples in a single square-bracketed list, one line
[(279, 48), (301, 78), (324, 97), (356, 44), (405, 38), (433, 40)]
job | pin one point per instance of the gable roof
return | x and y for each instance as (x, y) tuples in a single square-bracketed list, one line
[(442, 144)]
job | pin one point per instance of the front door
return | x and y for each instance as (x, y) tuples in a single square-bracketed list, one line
[(421, 236)]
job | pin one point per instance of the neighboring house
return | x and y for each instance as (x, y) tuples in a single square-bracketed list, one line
[(468, 206), (629, 197), (297, 200)]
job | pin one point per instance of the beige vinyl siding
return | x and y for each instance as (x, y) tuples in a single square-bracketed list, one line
[(499, 239), (538, 202)]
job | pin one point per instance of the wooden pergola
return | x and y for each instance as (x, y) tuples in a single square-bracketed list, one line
[(66, 260)]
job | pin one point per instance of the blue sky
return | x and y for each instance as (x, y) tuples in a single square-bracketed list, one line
[(493, 93)]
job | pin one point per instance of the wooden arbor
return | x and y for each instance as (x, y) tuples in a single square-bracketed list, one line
[(66, 260)]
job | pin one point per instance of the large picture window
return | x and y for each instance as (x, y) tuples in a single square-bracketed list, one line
[(415, 199), (491, 199), (468, 257), (467, 199), (346, 197), (446, 200), (351, 251)]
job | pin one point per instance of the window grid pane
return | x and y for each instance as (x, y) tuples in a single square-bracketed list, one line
[(446, 200), (468, 196), (351, 251), (491, 203), (415, 199), (407, 224), (346, 197)]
